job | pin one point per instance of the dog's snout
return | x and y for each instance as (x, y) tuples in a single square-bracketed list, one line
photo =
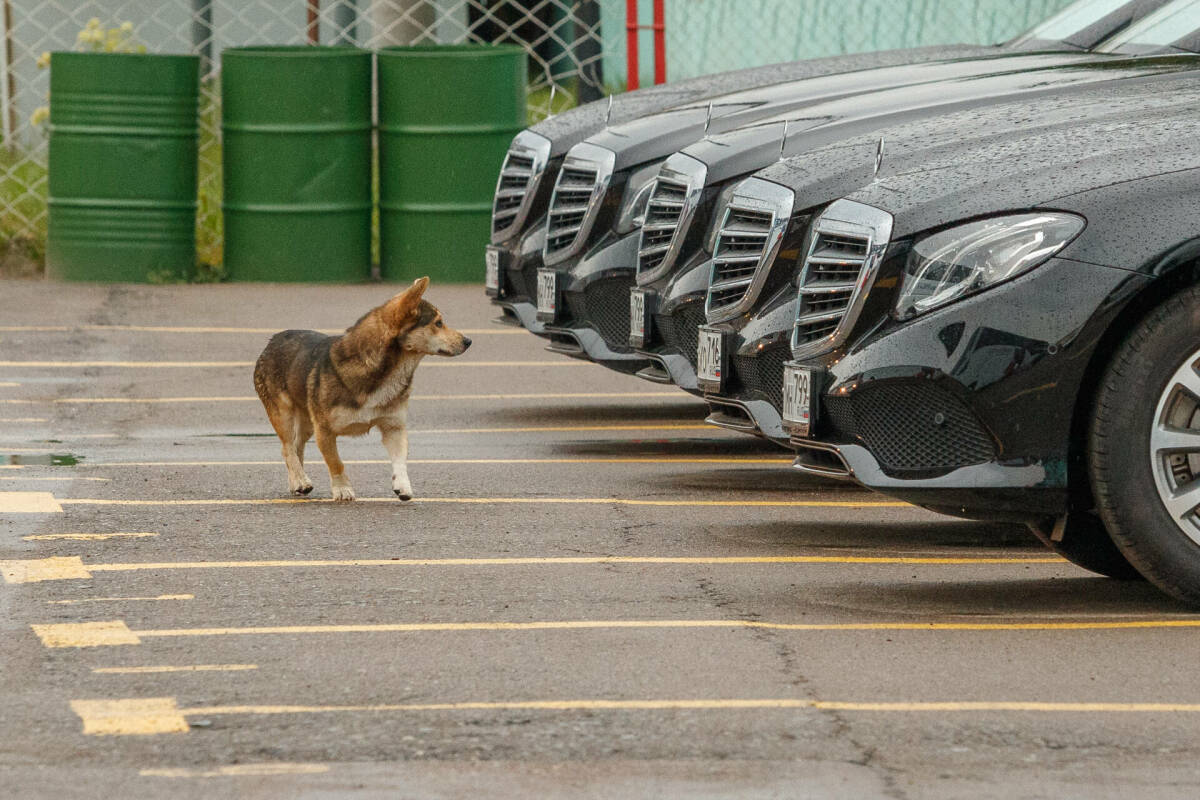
[(466, 343)]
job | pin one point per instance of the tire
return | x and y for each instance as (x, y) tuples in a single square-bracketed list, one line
[(1149, 398), (1086, 544)]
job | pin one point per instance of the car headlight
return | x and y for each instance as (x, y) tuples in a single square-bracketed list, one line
[(637, 196), (954, 263)]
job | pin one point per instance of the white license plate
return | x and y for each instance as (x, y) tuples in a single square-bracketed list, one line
[(709, 359), (547, 294), (491, 258), (637, 317), (799, 395)]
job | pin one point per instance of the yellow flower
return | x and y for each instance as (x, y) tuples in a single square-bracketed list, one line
[(126, 27), (40, 115), (93, 23), (44, 60)]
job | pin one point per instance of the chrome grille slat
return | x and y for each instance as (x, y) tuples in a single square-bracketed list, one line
[(845, 245), (748, 240), (669, 210), (519, 178)]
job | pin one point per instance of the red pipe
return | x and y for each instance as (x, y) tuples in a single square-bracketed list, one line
[(313, 29), (631, 43), (660, 42)]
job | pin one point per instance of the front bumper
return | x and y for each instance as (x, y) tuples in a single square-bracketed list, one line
[(969, 410)]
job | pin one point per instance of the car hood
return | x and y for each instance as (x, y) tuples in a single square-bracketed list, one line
[(1005, 157), (571, 127), (655, 136), (750, 148)]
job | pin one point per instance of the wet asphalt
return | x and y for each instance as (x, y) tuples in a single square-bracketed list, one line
[(594, 594)]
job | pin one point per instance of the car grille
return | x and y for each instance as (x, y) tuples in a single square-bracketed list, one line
[(575, 201), (669, 212), (519, 178), (604, 305), (747, 242), (680, 329), (761, 375), (911, 426), (846, 244), (663, 213)]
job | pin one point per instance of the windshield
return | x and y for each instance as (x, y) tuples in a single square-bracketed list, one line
[(1071, 19), (1158, 30)]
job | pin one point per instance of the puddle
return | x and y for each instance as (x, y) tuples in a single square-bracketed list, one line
[(50, 460)]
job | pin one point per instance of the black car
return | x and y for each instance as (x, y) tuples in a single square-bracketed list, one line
[(1003, 328), (534, 163)]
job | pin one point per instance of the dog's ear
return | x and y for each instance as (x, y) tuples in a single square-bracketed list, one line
[(405, 306)]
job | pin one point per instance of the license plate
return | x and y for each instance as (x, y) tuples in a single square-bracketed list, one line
[(492, 279), (710, 359), (547, 295), (640, 309), (800, 393)]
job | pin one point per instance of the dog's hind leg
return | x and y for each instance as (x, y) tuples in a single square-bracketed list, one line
[(293, 431), (395, 439), (327, 442)]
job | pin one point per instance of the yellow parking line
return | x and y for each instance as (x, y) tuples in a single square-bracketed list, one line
[(236, 770), (87, 537), (156, 715), (536, 501), (29, 503), (165, 668), (120, 599), (254, 399), (8, 384), (247, 364), (207, 329), (42, 478), (622, 460), (69, 567)]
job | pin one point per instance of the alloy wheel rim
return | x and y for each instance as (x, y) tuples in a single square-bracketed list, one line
[(1175, 447)]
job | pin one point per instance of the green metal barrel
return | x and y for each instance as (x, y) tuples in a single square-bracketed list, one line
[(122, 185), (447, 115), (297, 156)]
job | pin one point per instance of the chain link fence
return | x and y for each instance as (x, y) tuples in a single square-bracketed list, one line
[(576, 53)]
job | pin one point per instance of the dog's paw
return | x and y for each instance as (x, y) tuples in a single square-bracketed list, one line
[(343, 493), (302, 489), (405, 496)]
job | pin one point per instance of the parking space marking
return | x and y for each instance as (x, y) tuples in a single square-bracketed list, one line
[(536, 501), (163, 715), (221, 364), (45, 479), (254, 399), (167, 668), (130, 717), (599, 460), (117, 633), (210, 329), (29, 503), (236, 770), (120, 599), (108, 633), (87, 537), (23, 419), (69, 567), (8, 384)]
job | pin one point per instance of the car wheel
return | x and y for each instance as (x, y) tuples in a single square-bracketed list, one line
[(1144, 446)]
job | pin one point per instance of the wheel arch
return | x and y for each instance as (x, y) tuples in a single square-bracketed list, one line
[(1174, 270)]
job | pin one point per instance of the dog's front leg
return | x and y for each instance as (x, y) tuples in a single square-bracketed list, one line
[(327, 443), (395, 439)]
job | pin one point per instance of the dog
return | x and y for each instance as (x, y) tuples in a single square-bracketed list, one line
[(345, 385)]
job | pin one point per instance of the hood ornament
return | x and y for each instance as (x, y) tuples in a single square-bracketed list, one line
[(783, 139), (608, 112), (708, 119), (550, 110), (878, 158)]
